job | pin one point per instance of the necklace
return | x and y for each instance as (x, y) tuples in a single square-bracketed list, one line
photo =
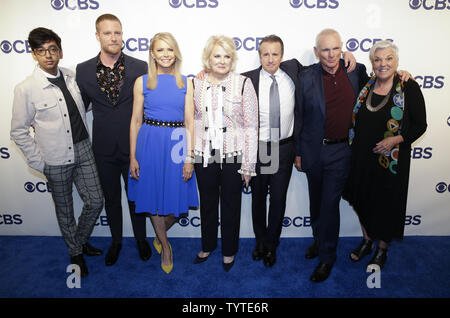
[(381, 105)]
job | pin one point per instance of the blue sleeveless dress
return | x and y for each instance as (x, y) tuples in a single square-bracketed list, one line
[(160, 152)]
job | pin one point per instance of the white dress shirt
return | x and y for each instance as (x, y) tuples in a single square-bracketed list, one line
[(286, 89)]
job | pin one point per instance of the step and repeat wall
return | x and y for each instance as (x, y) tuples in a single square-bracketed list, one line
[(418, 27)]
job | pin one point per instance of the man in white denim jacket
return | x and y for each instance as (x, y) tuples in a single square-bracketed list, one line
[(49, 101)]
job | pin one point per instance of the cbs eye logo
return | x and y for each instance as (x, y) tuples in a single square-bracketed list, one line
[(364, 44), (17, 46), (248, 43), (6, 47), (42, 187), (185, 221), (441, 187)]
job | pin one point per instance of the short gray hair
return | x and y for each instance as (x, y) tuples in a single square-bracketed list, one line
[(383, 45)]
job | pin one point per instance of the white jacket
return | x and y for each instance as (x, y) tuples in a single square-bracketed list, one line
[(41, 105)]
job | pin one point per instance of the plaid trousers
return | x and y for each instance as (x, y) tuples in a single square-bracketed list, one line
[(82, 173)]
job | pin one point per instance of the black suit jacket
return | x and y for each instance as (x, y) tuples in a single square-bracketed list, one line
[(111, 124), (292, 68)]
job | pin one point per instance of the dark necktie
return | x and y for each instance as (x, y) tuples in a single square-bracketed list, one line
[(274, 110)]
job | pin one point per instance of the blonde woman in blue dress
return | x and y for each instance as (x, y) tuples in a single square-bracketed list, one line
[(161, 139)]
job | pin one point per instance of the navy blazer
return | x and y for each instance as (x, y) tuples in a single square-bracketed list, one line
[(111, 124), (313, 110), (292, 68)]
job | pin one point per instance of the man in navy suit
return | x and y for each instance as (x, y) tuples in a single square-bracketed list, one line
[(328, 94), (276, 145), (106, 82)]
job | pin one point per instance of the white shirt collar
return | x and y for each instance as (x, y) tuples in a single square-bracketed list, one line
[(278, 73), (50, 75)]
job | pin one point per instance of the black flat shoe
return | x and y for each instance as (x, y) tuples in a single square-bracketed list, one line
[(378, 259), (321, 272), (113, 254), (199, 259), (312, 251), (145, 252), (227, 266), (363, 249), (258, 252), (89, 250)]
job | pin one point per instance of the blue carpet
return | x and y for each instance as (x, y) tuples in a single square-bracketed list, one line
[(35, 267)]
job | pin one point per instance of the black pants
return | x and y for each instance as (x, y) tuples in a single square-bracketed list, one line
[(277, 182), (220, 182), (111, 169)]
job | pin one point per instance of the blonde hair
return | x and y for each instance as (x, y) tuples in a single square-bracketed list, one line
[(226, 43), (153, 68)]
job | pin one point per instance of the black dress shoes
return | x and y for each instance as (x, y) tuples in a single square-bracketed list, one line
[(258, 252), (312, 251), (227, 266), (79, 260), (199, 259), (321, 272), (270, 257), (89, 250), (145, 252), (113, 254)]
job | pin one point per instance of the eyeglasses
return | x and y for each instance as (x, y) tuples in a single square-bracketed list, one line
[(42, 52)]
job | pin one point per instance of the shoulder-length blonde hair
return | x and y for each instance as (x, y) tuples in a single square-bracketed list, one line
[(153, 68), (226, 43)]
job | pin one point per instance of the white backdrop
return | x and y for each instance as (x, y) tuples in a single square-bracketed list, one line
[(418, 27)]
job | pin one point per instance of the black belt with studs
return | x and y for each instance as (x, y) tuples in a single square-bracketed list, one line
[(170, 124)]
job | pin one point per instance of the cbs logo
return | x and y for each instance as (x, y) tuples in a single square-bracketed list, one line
[(429, 81), (364, 44), (185, 221), (17, 46), (39, 187), (74, 4), (136, 44), (430, 5), (311, 4), (248, 44), (442, 187), (194, 3), (297, 221)]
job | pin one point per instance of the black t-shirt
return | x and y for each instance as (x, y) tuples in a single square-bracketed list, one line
[(79, 132)]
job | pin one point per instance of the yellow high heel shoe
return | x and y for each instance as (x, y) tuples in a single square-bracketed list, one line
[(158, 247), (167, 268)]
